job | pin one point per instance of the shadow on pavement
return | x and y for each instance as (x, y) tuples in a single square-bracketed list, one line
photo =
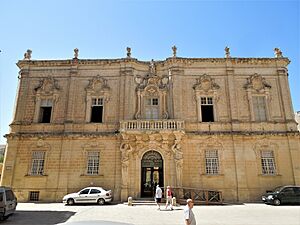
[(95, 222), (38, 217)]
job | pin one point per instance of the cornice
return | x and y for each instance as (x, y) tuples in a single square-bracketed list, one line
[(188, 133), (169, 61), (245, 133)]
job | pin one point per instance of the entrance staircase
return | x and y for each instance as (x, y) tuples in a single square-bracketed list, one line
[(142, 201), (200, 197)]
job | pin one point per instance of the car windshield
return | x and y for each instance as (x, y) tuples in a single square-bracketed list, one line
[(277, 189)]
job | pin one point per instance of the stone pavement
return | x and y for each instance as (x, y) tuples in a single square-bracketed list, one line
[(245, 214)]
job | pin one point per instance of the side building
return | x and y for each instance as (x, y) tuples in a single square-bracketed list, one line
[(223, 124)]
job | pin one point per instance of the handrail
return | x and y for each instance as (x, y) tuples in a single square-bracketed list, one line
[(199, 196)]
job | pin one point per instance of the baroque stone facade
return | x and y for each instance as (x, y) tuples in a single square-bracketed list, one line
[(224, 124)]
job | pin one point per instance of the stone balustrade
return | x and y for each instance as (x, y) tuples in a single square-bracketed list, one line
[(131, 125)]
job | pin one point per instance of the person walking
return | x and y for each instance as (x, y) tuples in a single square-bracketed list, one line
[(169, 198), (189, 217), (158, 195)]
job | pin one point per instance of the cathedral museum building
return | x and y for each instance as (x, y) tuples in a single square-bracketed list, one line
[(224, 124)]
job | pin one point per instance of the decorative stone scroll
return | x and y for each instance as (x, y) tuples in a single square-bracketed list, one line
[(47, 86), (205, 84), (152, 85), (98, 87), (257, 82)]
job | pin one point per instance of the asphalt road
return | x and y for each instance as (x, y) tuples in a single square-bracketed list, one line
[(244, 214)]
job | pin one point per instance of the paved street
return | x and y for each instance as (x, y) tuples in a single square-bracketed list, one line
[(246, 214)]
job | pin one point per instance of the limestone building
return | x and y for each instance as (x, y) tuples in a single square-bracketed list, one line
[(297, 118), (224, 124)]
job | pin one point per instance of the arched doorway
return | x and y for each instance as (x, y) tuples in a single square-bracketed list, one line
[(152, 173)]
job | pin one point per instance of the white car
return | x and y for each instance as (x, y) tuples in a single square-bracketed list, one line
[(89, 195)]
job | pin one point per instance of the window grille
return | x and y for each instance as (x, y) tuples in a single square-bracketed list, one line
[(268, 162), (206, 101), (212, 161), (93, 163), (97, 110), (34, 195), (37, 164), (97, 102)]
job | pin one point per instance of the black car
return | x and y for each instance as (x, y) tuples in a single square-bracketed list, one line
[(283, 195)]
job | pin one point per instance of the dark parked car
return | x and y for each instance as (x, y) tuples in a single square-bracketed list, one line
[(283, 195)]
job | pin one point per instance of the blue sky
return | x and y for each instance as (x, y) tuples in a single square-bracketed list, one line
[(52, 29)]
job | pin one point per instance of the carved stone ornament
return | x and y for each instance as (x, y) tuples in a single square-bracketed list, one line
[(256, 82), (47, 86), (205, 83), (128, 52), (278, 53), (99, 86), (27, 54), (227, 52), (76, 51), (174, 48), (152, 85)]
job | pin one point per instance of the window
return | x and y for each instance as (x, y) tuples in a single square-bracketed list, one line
[(95, 191), (211, 161), (9, 195), (288, 190), (97, 110), (37, 164), (259, 108), (34, 195), (207, 109), (93, 163), (268, 163), (45, 111), (84, 192), (152, 108)]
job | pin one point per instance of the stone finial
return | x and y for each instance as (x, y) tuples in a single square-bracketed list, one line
[(227, 52), (278, 53), (27, 54), (128, 52), (174, 48), (76, 51), (152, 67)]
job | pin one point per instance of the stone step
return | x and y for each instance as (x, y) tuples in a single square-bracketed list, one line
[(142, 201)]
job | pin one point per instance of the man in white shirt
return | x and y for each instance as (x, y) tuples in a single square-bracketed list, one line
[(189, 217), (158, 196)]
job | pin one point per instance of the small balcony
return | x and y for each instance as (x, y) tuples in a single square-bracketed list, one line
[(151, 125)]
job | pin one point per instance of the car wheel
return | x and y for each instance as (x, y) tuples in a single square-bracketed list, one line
[(70, 201), (101, 201), (277, 202)]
